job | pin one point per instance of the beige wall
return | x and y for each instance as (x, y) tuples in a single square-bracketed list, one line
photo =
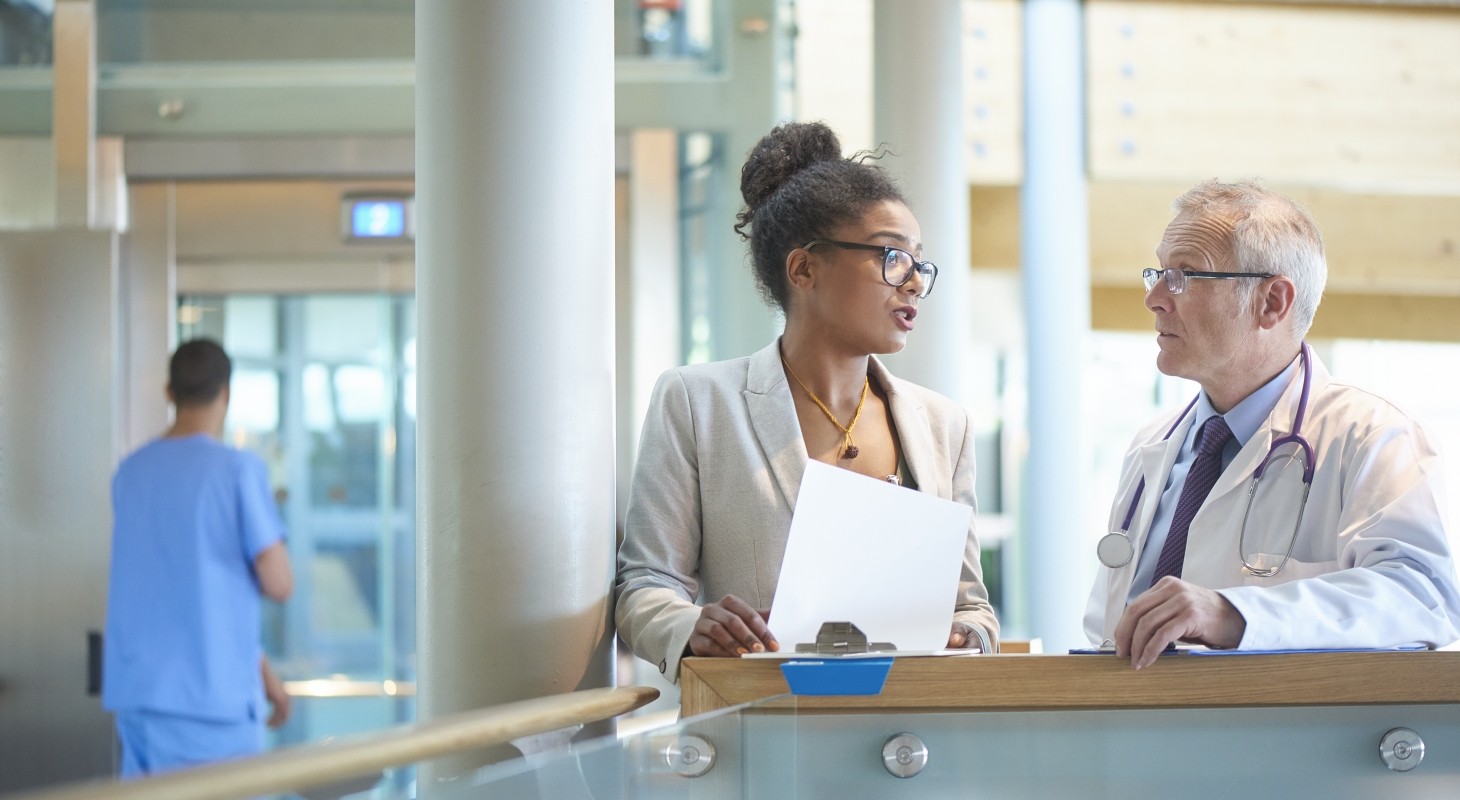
[(1353, 110), (281, 237), (1394, 260)]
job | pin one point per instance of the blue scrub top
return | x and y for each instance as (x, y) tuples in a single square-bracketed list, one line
[(190, 515)]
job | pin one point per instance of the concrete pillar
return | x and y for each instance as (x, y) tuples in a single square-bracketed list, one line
[(918, 91), (514, 249), (1054, 246)]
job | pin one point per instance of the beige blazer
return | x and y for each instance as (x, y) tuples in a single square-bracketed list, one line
[(719, 467)]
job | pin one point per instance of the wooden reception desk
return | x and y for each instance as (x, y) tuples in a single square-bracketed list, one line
[(1071, 682)]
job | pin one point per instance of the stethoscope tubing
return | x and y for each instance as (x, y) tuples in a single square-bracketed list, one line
[(1127, 548)]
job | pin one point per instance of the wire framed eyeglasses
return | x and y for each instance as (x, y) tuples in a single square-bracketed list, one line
[(898, 265), (1176, 278)]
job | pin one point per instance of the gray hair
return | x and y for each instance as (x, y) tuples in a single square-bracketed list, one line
[(1270, 233)]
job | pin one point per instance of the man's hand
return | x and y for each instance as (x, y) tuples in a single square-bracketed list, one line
[(277, 696), (1174, 610), (731, 628), (963, 637)]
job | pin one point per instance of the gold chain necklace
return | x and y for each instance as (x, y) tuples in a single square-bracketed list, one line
[(851, 450)]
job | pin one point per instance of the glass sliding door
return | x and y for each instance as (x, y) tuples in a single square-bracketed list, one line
[(324, 391)]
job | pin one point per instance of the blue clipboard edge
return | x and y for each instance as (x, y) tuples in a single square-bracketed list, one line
[(836, 676)]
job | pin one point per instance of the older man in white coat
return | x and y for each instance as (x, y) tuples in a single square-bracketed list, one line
[(1359, 558)]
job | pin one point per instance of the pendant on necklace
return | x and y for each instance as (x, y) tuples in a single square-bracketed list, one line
[(851, 452)]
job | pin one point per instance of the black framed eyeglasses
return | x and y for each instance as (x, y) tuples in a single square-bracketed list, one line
[(1176, 278), (898, 265)]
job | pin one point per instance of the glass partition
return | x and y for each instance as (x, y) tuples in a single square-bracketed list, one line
[(25, 33), (775, 748), (700, 757), (667, 30), (168, 31), (323, 390)]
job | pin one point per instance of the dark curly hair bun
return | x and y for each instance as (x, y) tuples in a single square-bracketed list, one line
[(783, 152), (797, 187)]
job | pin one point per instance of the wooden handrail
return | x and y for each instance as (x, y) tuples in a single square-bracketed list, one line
[(309, 765)]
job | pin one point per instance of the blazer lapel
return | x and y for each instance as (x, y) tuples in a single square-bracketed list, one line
[(915, 434), (773, 418)]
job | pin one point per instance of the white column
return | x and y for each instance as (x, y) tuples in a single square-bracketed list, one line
[(148, 314), (918, 92), (1054, 243), (515, 199), (648, 291)]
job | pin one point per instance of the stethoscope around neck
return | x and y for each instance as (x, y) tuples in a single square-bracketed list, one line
[(1116, 549)]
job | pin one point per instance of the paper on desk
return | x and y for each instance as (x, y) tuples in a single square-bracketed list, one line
[(1404, 648), (1198, 650), (790, 655), (872, 553)]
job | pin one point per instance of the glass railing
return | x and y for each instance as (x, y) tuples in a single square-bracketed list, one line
[(772, 749), (1342, 725), (700, 757)]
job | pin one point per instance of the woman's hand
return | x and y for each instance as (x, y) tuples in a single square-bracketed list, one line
[(731, 627), (963, 637)]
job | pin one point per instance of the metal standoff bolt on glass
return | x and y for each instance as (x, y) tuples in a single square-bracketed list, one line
[(1401, 749), (904, 755), (690, 756)]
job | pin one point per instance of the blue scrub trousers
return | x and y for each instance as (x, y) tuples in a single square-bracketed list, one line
[(153, 742)]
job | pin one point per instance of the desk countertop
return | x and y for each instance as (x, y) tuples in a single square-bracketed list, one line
[(1053, 682)]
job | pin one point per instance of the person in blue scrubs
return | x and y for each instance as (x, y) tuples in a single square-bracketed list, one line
[(197, 542)]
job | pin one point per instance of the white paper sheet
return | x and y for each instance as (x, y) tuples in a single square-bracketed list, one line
[(881, 556)]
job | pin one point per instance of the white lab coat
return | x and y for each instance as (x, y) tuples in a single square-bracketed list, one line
[(1371, 565)]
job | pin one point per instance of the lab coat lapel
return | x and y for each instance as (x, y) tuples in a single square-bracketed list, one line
[(1211, 543), (1157, 459), (773, 418), (1278, 424), (1211, 554), (1237, 473)]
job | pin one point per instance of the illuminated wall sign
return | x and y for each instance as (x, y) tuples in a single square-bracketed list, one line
[(378, 218)]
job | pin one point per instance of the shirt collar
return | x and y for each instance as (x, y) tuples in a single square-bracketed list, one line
[(1247, 416)]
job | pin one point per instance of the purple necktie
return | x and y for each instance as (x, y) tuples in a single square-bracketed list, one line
[(1200, 479)]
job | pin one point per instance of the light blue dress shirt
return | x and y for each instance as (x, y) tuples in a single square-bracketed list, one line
[(1244, 419)]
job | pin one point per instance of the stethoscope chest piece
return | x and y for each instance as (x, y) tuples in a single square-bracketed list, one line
[(1115, 549)]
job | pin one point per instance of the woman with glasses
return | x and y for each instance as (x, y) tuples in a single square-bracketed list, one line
[(837, 251)]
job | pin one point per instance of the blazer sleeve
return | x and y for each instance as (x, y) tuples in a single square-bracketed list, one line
[(973, 607), (658, 564)]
